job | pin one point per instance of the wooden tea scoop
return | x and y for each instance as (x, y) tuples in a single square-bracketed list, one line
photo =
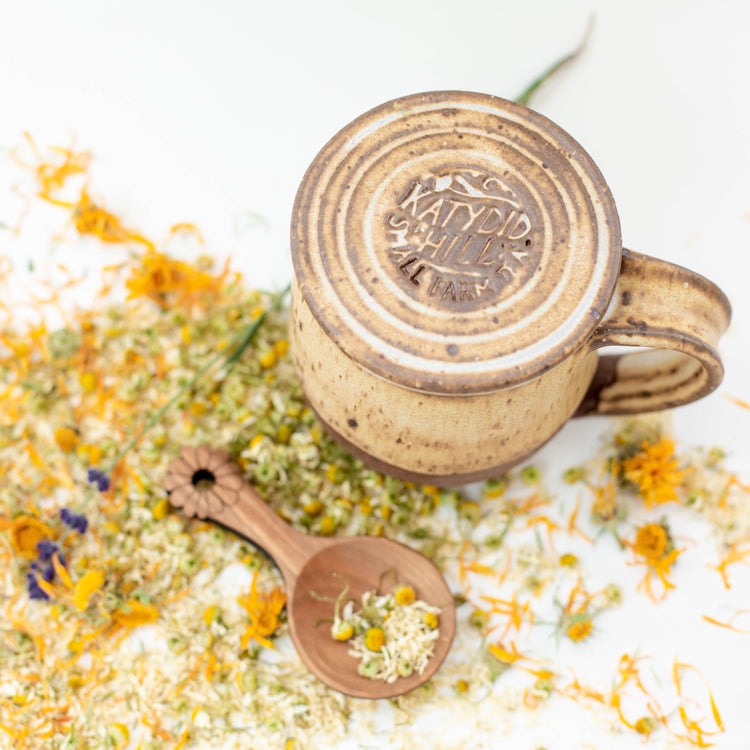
[(206, 483)]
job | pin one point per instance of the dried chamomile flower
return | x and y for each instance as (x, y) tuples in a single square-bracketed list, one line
[(391, 635)]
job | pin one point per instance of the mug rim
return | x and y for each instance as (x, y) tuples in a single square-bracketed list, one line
[(555, 260)]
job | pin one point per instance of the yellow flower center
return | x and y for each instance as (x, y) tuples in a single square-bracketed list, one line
[(651, 541), (66, 439), (404, 595), (579, 630), (374, 639), (26, 533), (267, 622), (654, 471)]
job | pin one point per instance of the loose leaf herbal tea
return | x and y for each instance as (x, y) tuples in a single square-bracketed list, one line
[(124, 625), (391, 635)]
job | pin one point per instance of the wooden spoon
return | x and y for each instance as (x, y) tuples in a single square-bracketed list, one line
[(205, 482)]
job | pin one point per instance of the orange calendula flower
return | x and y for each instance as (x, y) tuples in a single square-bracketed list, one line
[(654, 471), (697, 733), (736, 552), (66, 438), (91, 218), (263, 609), (89, 583), (25, 533), (159, 276), (505, 655), (646, 725), (576, 619), (134, 614), (80, 592), (654, 544), (52, 172), (604, 507), (651, 541), (629, 684), (580, 629)]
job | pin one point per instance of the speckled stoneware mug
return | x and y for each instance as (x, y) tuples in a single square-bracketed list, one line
[(458, 267)]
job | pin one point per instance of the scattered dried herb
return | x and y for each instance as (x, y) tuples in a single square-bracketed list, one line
[(391, 634), (122, 623)]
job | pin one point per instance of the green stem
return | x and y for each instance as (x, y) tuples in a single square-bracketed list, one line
[(506, 528), (246, 335), (238, 344), (530, 90)]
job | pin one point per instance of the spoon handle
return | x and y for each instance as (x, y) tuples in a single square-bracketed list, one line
[(206, 483), (253, 518)]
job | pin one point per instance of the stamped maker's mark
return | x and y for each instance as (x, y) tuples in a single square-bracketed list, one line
[(460, 235)]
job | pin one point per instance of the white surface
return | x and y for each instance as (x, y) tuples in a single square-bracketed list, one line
[(206, 112)]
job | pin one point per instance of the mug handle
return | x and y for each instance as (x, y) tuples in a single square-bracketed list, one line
[(680, 316)]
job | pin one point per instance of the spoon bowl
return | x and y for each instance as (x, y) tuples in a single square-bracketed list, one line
[(204, 482), (363, 561)]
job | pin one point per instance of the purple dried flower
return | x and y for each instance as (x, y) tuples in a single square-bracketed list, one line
[(46, 549), (80, 524), (99, 478), (35, 590), (76, 521)]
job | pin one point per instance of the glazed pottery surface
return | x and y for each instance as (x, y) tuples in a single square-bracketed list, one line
[(458, 266)]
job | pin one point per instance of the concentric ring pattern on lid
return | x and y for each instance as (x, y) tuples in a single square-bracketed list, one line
[(454, 242)]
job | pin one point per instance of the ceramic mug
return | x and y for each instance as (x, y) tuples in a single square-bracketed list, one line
[(458, 268)]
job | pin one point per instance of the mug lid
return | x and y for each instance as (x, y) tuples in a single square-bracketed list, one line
[(454, 242)]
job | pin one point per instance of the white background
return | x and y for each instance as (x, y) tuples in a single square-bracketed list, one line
[(211, 112)]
